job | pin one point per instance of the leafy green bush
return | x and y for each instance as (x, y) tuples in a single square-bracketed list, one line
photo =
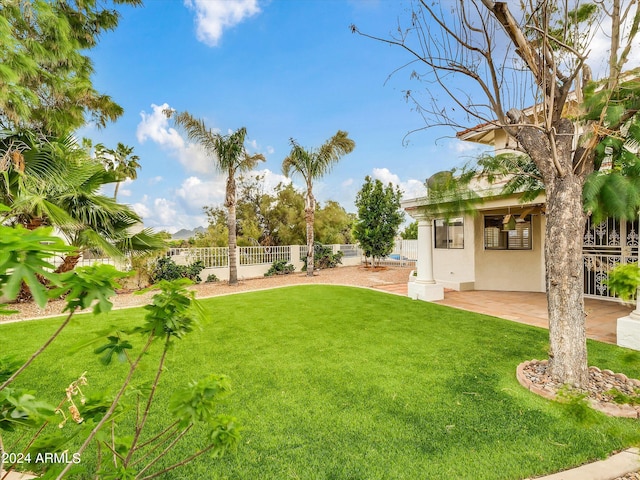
[(192, 271), (212, 278), (280, 267), (323, 257), (624, 280), (167, 269)]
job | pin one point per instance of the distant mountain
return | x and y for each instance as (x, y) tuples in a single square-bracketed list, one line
[(185, 234)]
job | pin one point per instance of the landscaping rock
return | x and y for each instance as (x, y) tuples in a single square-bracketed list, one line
[(600, 391)]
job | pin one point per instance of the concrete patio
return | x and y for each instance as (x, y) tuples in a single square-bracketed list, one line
[(530, 308)]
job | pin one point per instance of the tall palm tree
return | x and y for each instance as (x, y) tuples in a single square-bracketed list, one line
[(311, 165), (120, 161), (229, 156)]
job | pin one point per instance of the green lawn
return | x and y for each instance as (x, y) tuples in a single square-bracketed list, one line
[(345, 383)]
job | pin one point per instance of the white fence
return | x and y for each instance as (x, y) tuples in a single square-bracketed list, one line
[(212, 257), (255, 261), (405, 253), (86, 261)]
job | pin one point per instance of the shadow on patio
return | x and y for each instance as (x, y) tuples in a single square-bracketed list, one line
[(530, 308)]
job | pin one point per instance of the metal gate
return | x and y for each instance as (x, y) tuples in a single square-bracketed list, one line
[(606, 245)]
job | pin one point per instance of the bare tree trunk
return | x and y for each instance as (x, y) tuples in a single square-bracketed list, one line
[(565, 282), (230, 203), (310, 217), (115, 191)]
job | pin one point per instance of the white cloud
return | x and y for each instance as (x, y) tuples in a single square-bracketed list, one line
[(385, 176), (600, 46), (271, 179), (413, 188), (195, 193), (347, 183), (410, 189), (214, 16), (155, 180), (459, 146), (154, 126), (141, 208), (165, 214)]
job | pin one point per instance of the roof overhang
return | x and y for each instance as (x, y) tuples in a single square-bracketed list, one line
[(484, 134)]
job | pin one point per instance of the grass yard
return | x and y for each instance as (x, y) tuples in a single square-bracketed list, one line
[(345, 383)]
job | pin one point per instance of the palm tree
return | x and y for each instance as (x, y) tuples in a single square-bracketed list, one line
[(230, 156), (120, 161), (30, 165), (311, 165), (101, 223), (53, 181)]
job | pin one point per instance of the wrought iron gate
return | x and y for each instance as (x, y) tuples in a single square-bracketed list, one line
[(606, 245)]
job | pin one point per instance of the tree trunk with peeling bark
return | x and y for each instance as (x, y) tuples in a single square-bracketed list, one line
[(565, 222), (565, 282)]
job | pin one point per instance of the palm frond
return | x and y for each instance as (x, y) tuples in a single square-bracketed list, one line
[(90, 239), (330, 153), (612, 194), (313, 164), (142, 242), (199, 133)]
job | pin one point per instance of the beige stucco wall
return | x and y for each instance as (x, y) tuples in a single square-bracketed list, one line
[(454, 268), (510, 270)]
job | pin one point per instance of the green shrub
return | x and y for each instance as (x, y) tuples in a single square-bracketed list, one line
[(323, 257), (624, 280), (167, 269), (212, 278), (280, 267), (192, 272)]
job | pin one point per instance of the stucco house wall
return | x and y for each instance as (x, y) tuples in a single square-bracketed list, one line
[(475, 267), (510, 270), (455, 268)]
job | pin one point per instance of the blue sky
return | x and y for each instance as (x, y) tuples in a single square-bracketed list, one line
[(281, 68)]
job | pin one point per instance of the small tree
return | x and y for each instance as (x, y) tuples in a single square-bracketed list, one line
[(123, 449), (120, 161), (379, 217), (410, 232)]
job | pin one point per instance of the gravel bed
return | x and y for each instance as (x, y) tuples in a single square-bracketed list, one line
[(602, 383), (356, 276)]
